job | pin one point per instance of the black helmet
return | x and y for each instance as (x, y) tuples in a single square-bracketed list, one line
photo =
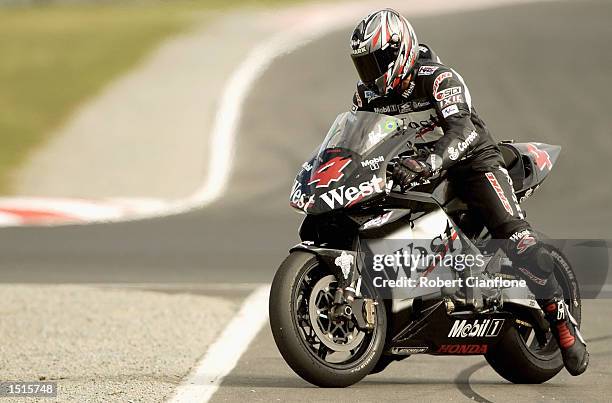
[(384, 49)]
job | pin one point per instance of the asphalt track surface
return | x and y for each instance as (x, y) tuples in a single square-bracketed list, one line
[(536, 72)]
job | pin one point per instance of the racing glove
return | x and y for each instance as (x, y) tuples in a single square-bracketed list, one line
[(409, 171)]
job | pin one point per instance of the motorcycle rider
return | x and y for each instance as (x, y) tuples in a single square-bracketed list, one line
[(401, 78)]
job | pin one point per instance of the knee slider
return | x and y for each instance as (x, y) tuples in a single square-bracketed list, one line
[(522, 244), (527, 250), (533, 262)]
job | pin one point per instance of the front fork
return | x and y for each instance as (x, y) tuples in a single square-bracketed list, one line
[(348, 301), (347, 305)]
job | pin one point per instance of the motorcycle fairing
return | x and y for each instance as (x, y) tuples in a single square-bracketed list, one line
[(350, 166), (415, 323), (434, 233), (528, 164), (451, 334), (341, 263)]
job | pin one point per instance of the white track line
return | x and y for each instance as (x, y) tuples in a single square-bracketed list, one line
[(314, 22), (223, 355), (308, 23), (313, 25)]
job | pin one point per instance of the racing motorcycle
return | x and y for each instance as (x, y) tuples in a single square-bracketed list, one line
[(333, 325)]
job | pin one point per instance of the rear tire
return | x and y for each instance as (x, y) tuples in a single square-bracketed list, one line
[(511, 359), (295, 345), (518, 363)]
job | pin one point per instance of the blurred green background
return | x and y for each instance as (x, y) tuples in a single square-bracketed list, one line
[(54, 55)]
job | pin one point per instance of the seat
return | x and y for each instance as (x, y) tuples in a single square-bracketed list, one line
[(514, 164), (509, 154)]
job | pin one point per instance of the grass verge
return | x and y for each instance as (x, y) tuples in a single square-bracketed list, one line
[(55, 56)]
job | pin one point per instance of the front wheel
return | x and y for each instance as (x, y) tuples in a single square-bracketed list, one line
[(521, 356), (325, 353)]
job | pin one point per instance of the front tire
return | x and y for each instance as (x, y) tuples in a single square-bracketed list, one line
[(305, 339), (518, 357)]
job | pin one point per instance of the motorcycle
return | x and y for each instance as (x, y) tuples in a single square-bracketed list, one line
[(334, 326)]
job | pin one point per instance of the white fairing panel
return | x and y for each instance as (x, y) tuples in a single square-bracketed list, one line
[(427, 234)]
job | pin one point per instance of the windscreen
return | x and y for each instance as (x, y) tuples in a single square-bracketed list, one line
[(349, 167), (360, 131)]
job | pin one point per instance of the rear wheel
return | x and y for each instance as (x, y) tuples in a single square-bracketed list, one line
[(527, 355), (322, 351)]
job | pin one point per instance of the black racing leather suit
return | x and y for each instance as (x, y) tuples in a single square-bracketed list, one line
[(438, 104)]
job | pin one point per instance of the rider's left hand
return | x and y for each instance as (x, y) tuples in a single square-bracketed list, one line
[(409, 170)]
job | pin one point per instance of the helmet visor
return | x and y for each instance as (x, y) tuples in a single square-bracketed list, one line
[(372, 66)]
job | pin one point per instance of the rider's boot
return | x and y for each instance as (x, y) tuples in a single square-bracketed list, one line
[(566, 332)]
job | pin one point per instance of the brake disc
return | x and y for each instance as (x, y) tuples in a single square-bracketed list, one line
[(319, 305)]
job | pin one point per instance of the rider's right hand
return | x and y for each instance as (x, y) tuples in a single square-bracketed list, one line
[(409, 170)]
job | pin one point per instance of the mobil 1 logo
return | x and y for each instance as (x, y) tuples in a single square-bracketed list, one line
[(476, 328)]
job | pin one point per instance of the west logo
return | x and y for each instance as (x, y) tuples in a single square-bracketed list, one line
[(347, 196), (476, 328), (300, 200)]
